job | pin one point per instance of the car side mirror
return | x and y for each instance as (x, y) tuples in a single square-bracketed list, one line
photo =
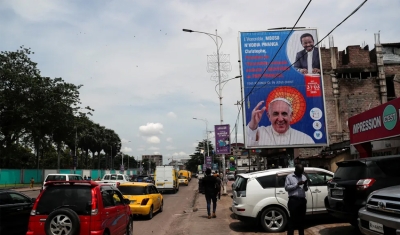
[(127, 201)]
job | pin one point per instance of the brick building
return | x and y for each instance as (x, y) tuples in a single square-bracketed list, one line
[(355, 80)]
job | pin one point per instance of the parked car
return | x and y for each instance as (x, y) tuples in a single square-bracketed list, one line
[(15, 208), (183, 180), (230, 176), (144, 198), (60, 177), (261, 197), (354, 180), (114, 179), (80, 207), (381, 213)]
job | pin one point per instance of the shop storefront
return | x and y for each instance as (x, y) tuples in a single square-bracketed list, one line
[(376, 131)]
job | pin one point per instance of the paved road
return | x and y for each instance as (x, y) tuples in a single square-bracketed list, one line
[(174, 207)]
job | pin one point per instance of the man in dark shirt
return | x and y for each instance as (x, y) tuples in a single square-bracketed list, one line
[(296, 184), (209, 183)]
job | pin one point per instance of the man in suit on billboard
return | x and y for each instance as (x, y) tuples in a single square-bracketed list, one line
[(279, 133), (307, 60)]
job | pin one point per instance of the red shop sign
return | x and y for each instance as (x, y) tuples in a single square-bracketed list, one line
[(377, 123)]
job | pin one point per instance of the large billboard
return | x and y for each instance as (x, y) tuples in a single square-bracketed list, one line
[(283, 92)]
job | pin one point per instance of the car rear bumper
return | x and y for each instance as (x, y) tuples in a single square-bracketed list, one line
[(140, 210), (340, 210), (391, 224)]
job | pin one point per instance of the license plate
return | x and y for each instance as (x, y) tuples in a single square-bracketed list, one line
[(337, 193), (377, 227)]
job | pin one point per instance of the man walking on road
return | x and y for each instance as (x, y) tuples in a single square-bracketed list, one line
[(209, 184), (32, 182), (296, 184)]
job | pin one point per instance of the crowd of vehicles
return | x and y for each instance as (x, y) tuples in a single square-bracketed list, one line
[(68, 204), (365, 192)]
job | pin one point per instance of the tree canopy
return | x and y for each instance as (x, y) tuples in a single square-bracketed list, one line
[(42, 123)]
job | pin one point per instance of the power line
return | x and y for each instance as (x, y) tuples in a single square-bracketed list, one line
[(352, 13), (314, 45), (265, 70)]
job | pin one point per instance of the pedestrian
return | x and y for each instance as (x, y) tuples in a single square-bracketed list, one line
[(32, 182), (89, 178), (209, 182), (84, 177), (296, 184)]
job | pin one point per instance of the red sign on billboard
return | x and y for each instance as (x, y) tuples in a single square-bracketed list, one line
[(378, 123)]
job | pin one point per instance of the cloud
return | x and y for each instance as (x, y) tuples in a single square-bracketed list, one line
[(156, 153), (171, 115), (141, 149), (151, 129), (169, 139), (169, 147), (180, 154), (126, 150), (124, 141), (153, 140), (153, 148)]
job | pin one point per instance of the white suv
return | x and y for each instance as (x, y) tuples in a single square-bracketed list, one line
[(60, 177), (261, 196)]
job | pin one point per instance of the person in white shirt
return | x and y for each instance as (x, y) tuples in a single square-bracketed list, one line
[(307, 60), (279, 133)]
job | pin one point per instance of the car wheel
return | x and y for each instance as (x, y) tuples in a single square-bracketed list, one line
[(129, 230), (150, 215), (62, 221), (273, 219), (162, 206)]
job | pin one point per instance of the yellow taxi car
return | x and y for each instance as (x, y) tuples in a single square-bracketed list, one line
[(145, 198), (183, 180)]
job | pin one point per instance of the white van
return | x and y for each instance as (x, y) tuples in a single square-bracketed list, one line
[(61, 177), (166, 179)]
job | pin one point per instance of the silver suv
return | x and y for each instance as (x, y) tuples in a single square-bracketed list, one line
[(261, 196), (381, 215)]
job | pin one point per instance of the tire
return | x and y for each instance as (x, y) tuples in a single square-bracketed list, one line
[(150, 215), (129, 229), (162, 206), (273, 219), (62, 219)]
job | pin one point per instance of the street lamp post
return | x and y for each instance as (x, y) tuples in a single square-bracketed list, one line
[(219, 87), (206, 122)]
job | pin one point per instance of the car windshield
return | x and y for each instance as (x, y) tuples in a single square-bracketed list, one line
[(77, 198), (56, 178), (182, 177), (350, 172), (132, 190)]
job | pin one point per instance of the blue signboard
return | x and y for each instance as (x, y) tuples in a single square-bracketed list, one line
[(284, 101)]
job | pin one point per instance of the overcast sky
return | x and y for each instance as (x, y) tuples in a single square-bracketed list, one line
[(146, 78)]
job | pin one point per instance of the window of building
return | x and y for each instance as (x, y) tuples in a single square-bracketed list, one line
[(391, 94)]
